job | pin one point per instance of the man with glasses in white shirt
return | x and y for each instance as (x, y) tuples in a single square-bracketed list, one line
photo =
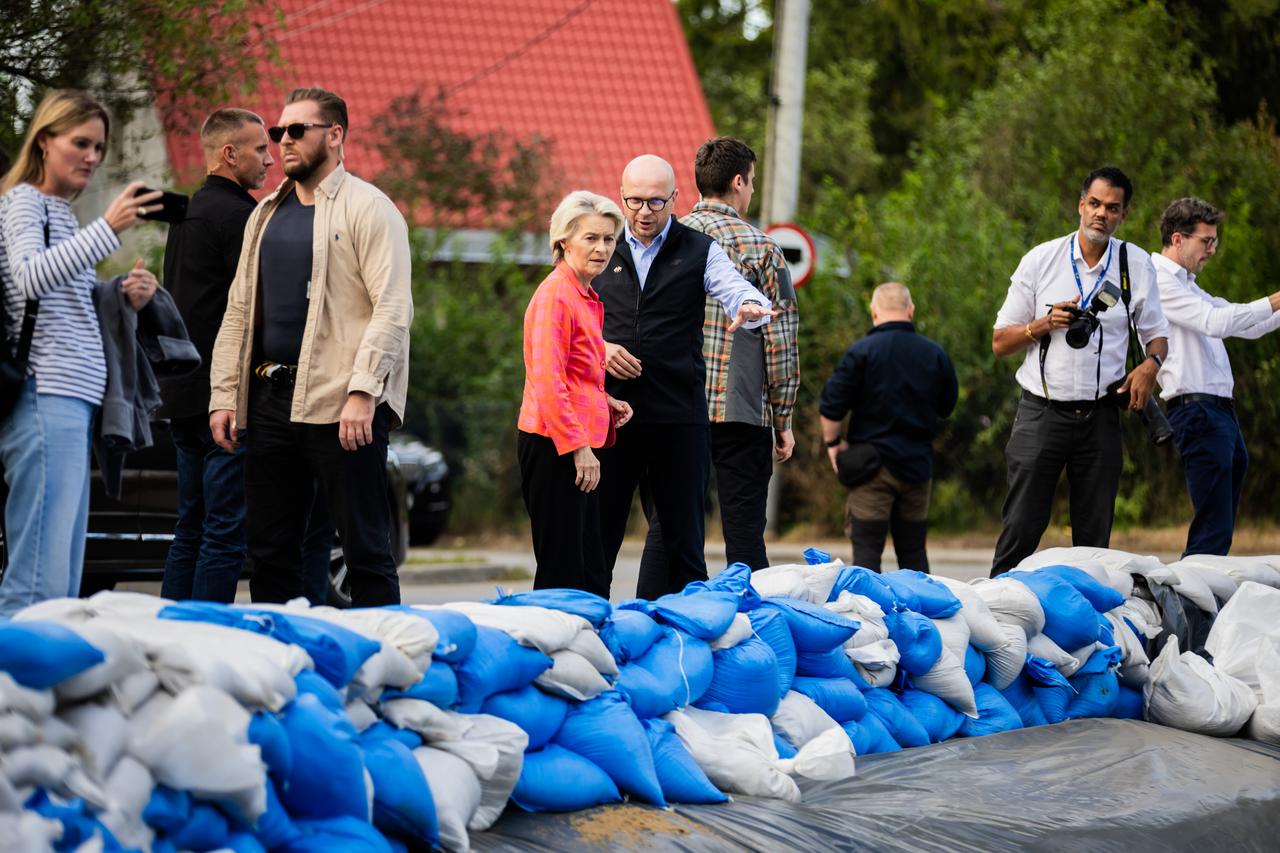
[(1068, 418), (1196, 381)]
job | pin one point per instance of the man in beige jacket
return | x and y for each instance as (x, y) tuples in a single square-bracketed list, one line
[(312, 357)]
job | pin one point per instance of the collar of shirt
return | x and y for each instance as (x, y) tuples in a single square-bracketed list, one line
[(894, 326), (586, 291), (219, 182), (1173, 268), (716, 207), (1077, 254), (643, 255)]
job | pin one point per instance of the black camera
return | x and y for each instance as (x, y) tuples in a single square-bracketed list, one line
[(1152, 416), (1086, 321)]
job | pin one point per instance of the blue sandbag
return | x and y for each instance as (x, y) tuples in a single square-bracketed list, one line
[(917, 638), (1102, 597), (897, 718), (607, 732), (628, 634), (681, 668), (1051, 689), (274, 827), (1021, 695), (206, 829), (839, 697), (1128, 704), (832, 664), (539, 714), (554, 779), (814, 628), (337, 835), (736, 580), (932, 598), (995, 714), (771, 626), (588, 605), (402, 801), (439, 686), (1096, 695), (745, 678), (784, 746), (1106, 634), (168, 809), (243, 842), (314, 684), (382, 730), (40, 655), (496, 664), (1069, 618), (935, 715), (701, 613), (79, 827), (862, 581), (457, 633), (327, 777), (267, 732), (869, 736), (975, 664), (682, 780), (816, 557), (338, 652), (645, 693)]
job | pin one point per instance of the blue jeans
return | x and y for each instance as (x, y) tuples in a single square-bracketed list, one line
[(209, 545), (1215, 460), (44, 447)]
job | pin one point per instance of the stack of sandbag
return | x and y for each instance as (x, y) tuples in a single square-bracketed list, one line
[(1245, 644)]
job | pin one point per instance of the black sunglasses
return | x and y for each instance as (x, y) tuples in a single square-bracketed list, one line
[(297, 130)]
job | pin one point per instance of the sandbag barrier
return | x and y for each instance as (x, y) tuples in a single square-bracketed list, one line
[(130, 722)]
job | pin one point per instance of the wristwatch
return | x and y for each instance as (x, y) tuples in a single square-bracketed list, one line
[(834, 442)]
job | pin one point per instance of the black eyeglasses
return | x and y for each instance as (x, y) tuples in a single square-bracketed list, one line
[(1209, 242), (655, 204), (297, 130)]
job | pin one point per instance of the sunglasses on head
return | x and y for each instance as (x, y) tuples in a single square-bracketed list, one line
[(297, 130)]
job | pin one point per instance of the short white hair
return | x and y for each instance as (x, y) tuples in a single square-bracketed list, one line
[(892, 296), (577, 204)]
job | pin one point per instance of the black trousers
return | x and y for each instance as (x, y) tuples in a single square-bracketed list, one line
[(1044, 442), (742, 455), (565, 520), (283, 464), (674, 458)]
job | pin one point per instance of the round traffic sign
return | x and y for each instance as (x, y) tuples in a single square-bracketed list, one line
[(797, 247)]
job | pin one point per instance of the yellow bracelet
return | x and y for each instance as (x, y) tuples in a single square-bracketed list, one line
[(1030, 336)]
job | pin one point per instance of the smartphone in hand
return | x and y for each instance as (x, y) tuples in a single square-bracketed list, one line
[(173, 207)]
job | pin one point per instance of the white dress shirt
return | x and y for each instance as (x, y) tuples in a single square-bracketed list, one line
[(1198, 322), (1044, 277)]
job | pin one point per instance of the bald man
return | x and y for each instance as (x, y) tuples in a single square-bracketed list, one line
[(654, 291), (200, 260), (897, 384)]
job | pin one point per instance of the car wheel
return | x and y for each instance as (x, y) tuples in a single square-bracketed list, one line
[(338, 593)]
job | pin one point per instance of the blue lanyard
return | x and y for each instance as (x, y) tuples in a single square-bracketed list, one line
[(1071, 256)]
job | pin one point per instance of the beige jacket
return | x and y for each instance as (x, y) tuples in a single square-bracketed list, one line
[(357, 332)]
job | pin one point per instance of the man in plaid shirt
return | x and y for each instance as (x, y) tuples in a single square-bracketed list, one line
[(752, 374)]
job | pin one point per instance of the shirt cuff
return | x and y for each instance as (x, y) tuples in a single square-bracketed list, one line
[(366, 382)]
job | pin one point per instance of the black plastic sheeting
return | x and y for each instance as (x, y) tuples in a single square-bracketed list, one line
[(1084, 785)]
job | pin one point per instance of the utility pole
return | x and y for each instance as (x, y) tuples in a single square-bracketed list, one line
[(782, 147)]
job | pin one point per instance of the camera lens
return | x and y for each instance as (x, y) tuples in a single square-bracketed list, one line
[(1080, 330)]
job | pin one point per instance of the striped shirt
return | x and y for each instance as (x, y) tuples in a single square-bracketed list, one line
[(66, 349), (776, 378)]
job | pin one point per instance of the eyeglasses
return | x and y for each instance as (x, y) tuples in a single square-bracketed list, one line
[(655, 204), (1209, 242), (297, 130)]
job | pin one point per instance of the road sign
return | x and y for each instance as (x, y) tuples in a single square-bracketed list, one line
[(797, 247)]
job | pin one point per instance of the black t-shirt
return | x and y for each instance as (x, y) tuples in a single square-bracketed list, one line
[(285, 265)]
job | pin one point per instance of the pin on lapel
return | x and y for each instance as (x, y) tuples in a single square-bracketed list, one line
[(617, 269)]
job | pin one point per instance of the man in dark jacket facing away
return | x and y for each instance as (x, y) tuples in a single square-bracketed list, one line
[(200, 260), (897, 384)]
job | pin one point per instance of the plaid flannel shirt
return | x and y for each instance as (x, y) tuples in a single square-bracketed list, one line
[(759, 259)]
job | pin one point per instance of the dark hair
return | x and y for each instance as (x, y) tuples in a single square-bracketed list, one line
[(717, 161), (225, 121), (1184, 215), (1113, 176), (332, 108)]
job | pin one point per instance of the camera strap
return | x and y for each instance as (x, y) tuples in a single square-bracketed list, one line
[(1124, 292), (1126, 296)]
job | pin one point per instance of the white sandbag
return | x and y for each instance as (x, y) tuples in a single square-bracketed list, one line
[(134, 689), (387, 667), (16, 730), (800, 719), (737, 753), (1236, 638), (10, 799), (881, 677), (412, 636), (1147, 566), (572, 676), (539, 628), (55, 770), (198, 742), (1220, 583), (1193, 588), (947, 680), (55, 732), (1264, 724), (1186, 692), (124, 657), (456, 792), (1083, 654), (866, 612), (791, 580), (878, 655), (494, 749), (418, 715), (129, 786), (955, 634), (1121, 582), (1143, 614), (1005, 662), (257, 670), (1046, 649), (1012, 602), (35, 705), (1133, 648), (104, 735), (28, 832), (1263, 570), (588, 644), (739, 630), (984, 630), (827, 757), (108, 603), (360, 714)]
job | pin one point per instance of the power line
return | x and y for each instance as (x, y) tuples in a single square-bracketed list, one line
[(521, 50)]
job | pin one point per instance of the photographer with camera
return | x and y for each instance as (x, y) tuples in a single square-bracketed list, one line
[(1196, 381), (1073, 374)]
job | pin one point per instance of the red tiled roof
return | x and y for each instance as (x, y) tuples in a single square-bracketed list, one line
[(605, 79)]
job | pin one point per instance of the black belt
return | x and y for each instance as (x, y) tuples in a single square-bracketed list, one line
[(1075, 406), (1212, 399), (276, 374)]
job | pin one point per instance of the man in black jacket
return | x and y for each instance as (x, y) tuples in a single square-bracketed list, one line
[(654, 291), (200, 260), (897, 384)]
